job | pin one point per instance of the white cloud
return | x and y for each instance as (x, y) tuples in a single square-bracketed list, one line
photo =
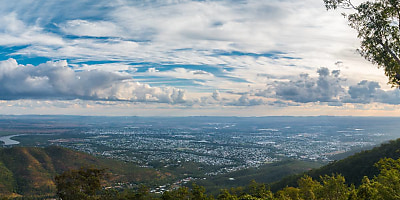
[(14, 32), (109, 67), (329, 88), (182, 73), (249, 26), (55, 80), (245, 100), (252, 52), (303, 89), (80, 27), (370, 91), (216, 95)]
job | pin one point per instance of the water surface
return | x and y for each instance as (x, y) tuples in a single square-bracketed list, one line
[(8, 141)]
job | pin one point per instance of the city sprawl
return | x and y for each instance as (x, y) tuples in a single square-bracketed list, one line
[(226, 144)]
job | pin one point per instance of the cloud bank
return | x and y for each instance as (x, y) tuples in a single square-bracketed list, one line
[(55, 80), (304, 89), (189, 53), (58, 81), (369, 91), (330, 87)]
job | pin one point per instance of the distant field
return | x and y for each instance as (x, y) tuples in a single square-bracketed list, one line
[(5, 133)]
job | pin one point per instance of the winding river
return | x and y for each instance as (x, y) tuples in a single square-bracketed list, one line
[(8, 141)]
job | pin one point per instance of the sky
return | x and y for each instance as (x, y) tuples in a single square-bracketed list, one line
[(185, 58)]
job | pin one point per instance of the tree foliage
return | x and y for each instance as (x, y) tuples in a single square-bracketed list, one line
[(384, 186), (195, 193), (79, 184), (378, 24), (86, 184)]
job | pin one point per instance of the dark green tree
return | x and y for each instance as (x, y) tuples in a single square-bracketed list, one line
[(377, 23), (181, 193), (198, 193), (288, 193), (259, 190), (388, 181), (184, 193), (141, 193), (238, 191), (225, 195), (334, 188), (308, 187), (79, 184), (111, 194), (367, 189)]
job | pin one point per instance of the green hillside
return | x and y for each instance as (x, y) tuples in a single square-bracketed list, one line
[(353, 168), (267, 173), (30, 171)]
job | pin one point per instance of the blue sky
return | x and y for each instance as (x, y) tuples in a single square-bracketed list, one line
[(182, 57)]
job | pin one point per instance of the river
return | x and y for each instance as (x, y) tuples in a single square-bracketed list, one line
[(8, 141)]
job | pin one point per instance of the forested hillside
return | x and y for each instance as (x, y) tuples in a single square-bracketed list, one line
[(30, 171), (354, 168), (267, 174)]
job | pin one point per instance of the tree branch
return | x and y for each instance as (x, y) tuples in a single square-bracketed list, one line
[(387, 49), (351, 4)]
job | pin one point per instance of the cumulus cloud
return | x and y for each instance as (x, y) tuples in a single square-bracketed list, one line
[(216, 95), (329, 87), (303, 89), (56, 80), (364, 92), (245, 100), (370, 91), (59, 81)]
